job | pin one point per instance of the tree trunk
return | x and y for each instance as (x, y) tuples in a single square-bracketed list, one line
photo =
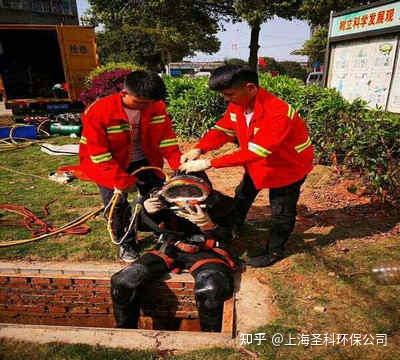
[(255, 33), (166, 59)]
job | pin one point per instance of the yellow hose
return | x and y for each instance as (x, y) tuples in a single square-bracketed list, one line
[(7, 146), (117, 195), (114, 200), (81, 219)]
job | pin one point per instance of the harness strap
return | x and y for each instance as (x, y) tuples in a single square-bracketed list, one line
[(209, 244), (168, 260), (202, 262), (187, 248), (227, 257)]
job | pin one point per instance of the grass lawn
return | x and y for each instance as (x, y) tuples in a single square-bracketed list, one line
[(69, 202), (317, 290)]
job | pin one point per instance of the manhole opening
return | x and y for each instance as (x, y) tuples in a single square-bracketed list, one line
[(40, 297)]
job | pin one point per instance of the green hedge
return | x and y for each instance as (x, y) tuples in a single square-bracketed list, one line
[(343, 133), (194, 108)]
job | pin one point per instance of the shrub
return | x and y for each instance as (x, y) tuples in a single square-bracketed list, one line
[(193, 107), (343, 133), (105, 80), (104, 84), (293, 69), (111, 66), (348, 133)]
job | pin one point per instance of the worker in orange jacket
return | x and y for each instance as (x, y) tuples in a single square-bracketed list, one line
[(121, 133), (274, 148)]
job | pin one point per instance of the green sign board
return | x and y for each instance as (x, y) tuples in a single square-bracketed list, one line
[(376, 18)]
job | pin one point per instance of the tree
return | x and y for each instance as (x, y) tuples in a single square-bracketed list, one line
[(272, 66), (317, 13), (153, 33), (256, 12), (289, 68), (172, 29), (315, 47), (121, 46), (293, 69), (235, 61)]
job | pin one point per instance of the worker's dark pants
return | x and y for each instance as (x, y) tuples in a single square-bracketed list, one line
[(213, 285), (283, 202), (147, 180)]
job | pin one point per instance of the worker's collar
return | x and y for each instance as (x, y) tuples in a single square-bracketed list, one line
[(258, 108)]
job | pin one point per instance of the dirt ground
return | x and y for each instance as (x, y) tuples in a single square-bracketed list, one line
[(327, 200), (340, 231)]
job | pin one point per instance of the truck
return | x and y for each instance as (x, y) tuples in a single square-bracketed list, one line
[(43, 67)]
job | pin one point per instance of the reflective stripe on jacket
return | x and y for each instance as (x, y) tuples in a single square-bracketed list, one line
[(275, 148), (106, 142)]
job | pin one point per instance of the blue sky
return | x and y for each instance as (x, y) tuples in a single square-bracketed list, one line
[(278, 38)]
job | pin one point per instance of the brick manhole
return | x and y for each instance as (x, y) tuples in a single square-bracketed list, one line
[(70, 302), (40, 297)]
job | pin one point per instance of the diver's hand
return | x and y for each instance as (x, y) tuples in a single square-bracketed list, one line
[(198, 217), (192, 154), (152, 205), (195, 165)]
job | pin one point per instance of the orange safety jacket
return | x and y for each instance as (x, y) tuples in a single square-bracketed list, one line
[(106, 142), (275, 148)]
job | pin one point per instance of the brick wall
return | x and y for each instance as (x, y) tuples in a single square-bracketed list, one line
[(84, 301)]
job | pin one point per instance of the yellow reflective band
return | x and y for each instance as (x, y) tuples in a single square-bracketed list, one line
[(101, 157), (259, 150), (291, 112), (169, 142), (83, 140), (157, 119), (226, 131), (233, 117), (118, 129), (303, 146)]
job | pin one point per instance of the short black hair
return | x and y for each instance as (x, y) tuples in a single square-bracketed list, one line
[(146, 85), (229, 76)]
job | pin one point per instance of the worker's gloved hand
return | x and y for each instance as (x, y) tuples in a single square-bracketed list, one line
[(190, 155), (195, 165), (152, 205), (198, 217)]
